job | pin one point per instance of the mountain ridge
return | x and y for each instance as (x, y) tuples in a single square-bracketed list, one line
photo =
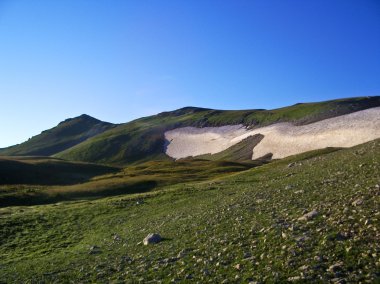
[(85, 138), (144, 138)]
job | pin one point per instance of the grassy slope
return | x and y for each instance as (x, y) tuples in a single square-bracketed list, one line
[(242, 151), (31, 183), (143, 139), (47, 171), (242, 228), (65, 135)]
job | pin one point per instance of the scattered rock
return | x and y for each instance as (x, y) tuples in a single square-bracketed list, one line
[(116, 238), (318, 258), (152, 239), (338, 280), (336, 267), (357, 202), (183, 253), (238, 266), (189, 276), (247, 255), (309, 216), (294, 278), (95, 250), (206, 272)]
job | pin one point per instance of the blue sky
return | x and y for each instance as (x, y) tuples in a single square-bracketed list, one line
[(119, 60)]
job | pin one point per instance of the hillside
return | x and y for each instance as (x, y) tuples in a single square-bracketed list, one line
[(47, 171), (313, 217), (38, 180), (144, 139), (65, 135)]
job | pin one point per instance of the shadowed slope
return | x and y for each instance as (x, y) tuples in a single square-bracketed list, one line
[(82, 181), (47, 171), (241, 151)]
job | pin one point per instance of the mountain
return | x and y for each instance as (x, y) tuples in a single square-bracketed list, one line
[(66, 134), (144, 139)]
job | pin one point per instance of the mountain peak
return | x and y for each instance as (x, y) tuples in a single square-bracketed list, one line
[(81, 118)]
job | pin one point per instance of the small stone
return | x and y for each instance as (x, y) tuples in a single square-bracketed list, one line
[(238, 266), (338, 280), (247, 255), (318, 258), (309, 216), (206, 272), (336, 267), (183, 253), (152, 239), (294, 278), (357, 202), (94, 250)]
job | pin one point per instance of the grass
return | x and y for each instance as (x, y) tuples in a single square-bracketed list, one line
[(51, 180), (234, 229), (47, 171), (241, 151)]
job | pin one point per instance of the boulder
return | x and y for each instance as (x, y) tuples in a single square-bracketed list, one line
[(152, 239)]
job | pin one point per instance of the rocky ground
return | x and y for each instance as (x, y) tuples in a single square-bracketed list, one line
[(309, 218)]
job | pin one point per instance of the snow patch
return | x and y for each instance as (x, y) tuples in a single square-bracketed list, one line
[(281, 139)]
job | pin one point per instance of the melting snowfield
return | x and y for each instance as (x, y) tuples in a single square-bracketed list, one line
[(281, 139)]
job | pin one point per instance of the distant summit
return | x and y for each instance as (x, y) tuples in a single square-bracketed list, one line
[(66, 134), (82, 117)]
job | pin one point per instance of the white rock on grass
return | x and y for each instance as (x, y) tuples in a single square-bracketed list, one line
[(152, 239), (357, 202), (309, 216)]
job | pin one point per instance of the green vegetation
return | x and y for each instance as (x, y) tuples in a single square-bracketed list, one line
[(65, 135), (248, 226), (40, 181), (48, 171), (143, 139)]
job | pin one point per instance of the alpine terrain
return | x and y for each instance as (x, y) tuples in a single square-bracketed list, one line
[(197, 195)]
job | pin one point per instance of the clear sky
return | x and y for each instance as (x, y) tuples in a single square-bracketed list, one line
[(120, 60)]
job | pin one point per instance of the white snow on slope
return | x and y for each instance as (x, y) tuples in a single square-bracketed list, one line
[(281, 139)]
